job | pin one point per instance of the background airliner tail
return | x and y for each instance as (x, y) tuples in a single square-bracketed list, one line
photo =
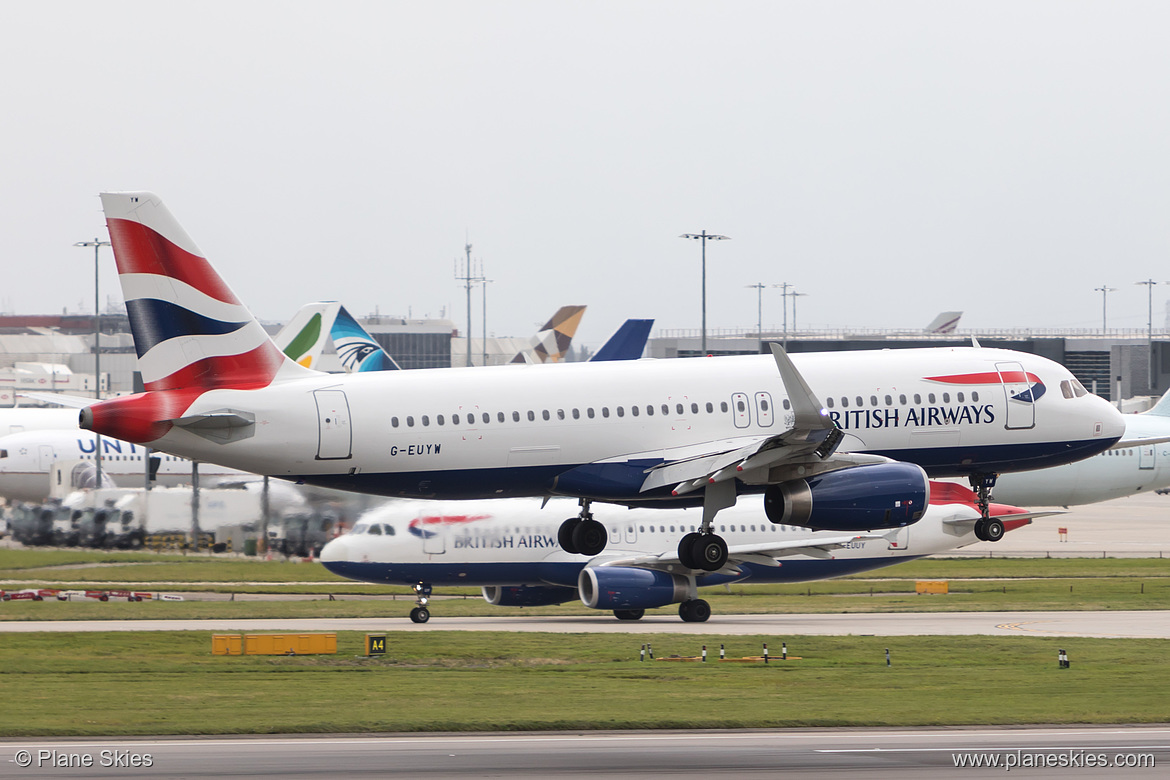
[(551, 344), (303, 338), (628, 343)]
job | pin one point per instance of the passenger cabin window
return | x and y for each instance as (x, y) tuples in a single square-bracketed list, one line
[(695, 408), (723, 406), (828, 402), (439, 419), (975, 396), (649, 410), (917, 398), (930, 397), (426, 420), (487, 418), (500, 416), (545, 414), (634, 411), (873, 400), (515, 416), (605, 411), (589, 412), (844, 402), (902, 399), (679, 407), (710, 408), (621, 412), (531, 416), (410, 422), (889, 401), (946, 398), (787, 405), (576, 414), (959, 396), (393, 422)]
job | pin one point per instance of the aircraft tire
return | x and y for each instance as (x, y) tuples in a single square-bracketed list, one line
[(993, 530), (694, 611), (420, 615), (629, 614), (565, 535), (589, 537), (686, 550), (710, 552), (981, 530)]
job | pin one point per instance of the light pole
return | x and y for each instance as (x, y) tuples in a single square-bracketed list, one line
[(704, 236), (485, 283), (1104, 290), (1149, 283), (97, 245), (784, 297), (759, 288), (795, 295), (469, 278)]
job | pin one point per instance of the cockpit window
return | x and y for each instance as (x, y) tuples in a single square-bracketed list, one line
[(360, 528), (389, 529), (3, 453), (1066, 388), (1078, 389), (376, 529)]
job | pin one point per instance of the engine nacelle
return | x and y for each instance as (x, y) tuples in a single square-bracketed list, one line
[(624, 587), (526, 595), (861, 498)]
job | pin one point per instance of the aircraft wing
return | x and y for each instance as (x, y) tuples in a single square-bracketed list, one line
[(73, 401), (811, 441), (1146, 442), (762, 554)]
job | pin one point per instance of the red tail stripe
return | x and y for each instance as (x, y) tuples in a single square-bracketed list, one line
[(246, 371), (141, 250)]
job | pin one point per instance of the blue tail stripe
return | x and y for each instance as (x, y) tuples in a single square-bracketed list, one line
[(154, 321)]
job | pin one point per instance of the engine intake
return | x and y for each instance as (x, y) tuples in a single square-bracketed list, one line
[(861, 498), (624, 587)]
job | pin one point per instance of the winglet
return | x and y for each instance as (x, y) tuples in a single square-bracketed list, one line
[(810, 413)]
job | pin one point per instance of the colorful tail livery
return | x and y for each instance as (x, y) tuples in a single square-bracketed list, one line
[(551, 344), (303, 338), (190, 331), (356, 348)]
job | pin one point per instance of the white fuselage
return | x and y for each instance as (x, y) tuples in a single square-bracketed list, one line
[(525, 430), (26, 460), (21, 419)]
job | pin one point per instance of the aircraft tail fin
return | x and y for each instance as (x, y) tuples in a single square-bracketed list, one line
[(303, 338), (946, 322), (190, 330), (627, 343), (552, 343), (1161, 408), (356, 348)]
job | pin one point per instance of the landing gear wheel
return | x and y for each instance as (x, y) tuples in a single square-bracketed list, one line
[(420, 615), (981, 530), (686, 550), (589, 537), (565, 535), (694, 611), (993, 530), (710, 552), (629, 614)]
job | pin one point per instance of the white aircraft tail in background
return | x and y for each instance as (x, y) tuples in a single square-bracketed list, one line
[(945, 322), (551, 344)]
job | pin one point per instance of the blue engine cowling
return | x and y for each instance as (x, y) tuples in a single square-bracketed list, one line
[(623, 587), (861, 498), (526, 595)]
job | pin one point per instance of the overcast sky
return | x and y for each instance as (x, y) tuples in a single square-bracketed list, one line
[(890, 159)]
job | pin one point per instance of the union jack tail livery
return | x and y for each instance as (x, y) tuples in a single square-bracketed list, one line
[(191, 333)]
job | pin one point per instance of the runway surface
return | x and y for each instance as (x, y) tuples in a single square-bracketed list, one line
[(745, 755), (1153, 624)]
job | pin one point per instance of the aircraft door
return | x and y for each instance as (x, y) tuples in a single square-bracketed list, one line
[(1019, 395), (764, 409), (739, 410), (335, 438), (1146, 457), (902, 540), (45, 456)]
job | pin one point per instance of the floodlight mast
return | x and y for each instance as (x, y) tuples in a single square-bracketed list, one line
[(704, 237), (97, 245)]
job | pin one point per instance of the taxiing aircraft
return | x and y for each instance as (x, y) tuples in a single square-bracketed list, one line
[(661, 433), (509, 548)]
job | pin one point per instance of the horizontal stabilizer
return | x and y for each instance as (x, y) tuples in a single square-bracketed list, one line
[(220, 426), (72, 401)]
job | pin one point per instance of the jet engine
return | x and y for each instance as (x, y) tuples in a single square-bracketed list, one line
[(526, 595), (624, 587), (861, 498)]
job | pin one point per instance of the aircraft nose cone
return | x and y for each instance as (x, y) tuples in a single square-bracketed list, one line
[(1113, 424), (336, 551)]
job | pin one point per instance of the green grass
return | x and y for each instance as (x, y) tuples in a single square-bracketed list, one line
[(155, 683)]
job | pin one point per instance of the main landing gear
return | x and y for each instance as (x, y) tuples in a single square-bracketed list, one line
[(582, 534), (695, 610), (422, 595), (705, 551), (987, 528)]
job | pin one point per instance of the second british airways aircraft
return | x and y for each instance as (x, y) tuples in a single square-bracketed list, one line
[(669, 432)]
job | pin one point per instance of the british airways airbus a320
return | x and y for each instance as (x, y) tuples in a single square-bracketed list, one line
[(667, 432)]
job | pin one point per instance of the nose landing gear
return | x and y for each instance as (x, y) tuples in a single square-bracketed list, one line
[(987, 528), (422, 594)]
